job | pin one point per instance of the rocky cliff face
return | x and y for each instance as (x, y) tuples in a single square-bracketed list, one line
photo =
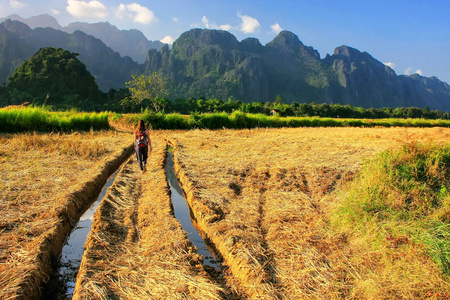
[(295, 71), (363, 77), (426, 91), (369, 83), (213, 63)]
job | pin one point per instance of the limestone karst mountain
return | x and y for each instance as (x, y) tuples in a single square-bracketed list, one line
[(214, 64)]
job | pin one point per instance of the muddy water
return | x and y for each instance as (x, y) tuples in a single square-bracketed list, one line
[(62, 283), (184, 215)]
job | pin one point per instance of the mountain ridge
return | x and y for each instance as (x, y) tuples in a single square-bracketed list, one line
[(18, 42), (132, 42), (214, 64)]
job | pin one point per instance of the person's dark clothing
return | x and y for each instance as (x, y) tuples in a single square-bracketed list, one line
[(142, 155)]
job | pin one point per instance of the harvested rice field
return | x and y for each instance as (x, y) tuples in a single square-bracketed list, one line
[(47, 180), (263, 198)]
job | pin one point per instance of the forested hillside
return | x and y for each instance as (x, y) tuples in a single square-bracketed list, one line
[(18, 42), (213, 64), (55, 77)]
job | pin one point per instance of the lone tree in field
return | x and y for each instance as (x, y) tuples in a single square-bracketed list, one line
[(151, 87)]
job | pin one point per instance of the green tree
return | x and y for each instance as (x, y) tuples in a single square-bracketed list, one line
[(278, 100), (151, 87), (58, 74)]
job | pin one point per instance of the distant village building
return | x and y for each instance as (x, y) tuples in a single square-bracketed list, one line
[(274, 112)]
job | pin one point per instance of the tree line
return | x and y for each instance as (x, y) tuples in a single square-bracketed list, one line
[(121, 101), (202, 105), (146, 92), (301, 109)]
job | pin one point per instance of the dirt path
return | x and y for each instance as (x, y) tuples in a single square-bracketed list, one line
[(136, 248)]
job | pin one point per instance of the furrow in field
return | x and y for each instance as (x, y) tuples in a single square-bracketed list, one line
[(304, 260), (46, 189), (137, 249), (232, 222), (262, 197), (113, 227)]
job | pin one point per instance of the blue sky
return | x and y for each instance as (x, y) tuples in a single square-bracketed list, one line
[(411, 36)]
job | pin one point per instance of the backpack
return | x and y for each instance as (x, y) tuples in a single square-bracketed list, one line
[(141, 139)]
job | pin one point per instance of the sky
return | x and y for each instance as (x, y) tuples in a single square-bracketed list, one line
[(410, 36)]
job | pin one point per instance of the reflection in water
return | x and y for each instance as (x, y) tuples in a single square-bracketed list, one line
[(63, 282), (183, 214)]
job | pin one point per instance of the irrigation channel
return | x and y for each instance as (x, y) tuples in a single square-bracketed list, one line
[(184, 214), (62, 283)]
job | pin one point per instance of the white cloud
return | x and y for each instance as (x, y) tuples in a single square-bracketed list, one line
[(249, 24), (139, 14), (174, 19), (390, 64), (276, 28), (408, 71), (205, 22), (55, 11), (167, 40), (209, 25), (226, 27), (83, 9), (16, 4)]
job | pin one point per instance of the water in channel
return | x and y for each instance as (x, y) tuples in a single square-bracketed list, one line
[(183, 214), (63, 281)]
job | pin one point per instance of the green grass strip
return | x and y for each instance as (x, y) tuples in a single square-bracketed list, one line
[(41, 119), (240, 120), (402, 194)]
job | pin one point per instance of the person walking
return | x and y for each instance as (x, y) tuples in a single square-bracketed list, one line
[(142, 143)]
